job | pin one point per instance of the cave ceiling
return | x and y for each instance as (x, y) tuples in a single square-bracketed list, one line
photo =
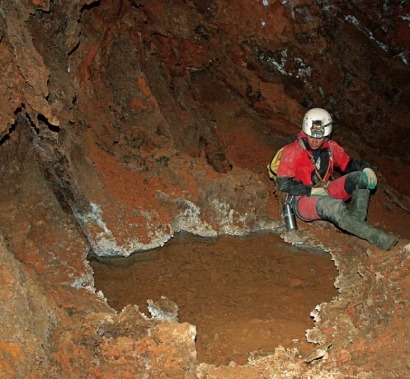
[(125, 122)]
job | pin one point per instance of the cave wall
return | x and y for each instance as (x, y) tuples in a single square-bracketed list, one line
[(186, 103), (123, 122)]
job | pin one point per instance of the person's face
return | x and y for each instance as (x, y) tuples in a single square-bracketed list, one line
[(315, 143)]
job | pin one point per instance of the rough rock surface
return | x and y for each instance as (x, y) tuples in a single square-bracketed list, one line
[(123, 122)]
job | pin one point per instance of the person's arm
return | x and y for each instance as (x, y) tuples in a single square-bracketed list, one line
[(290, 162), (346, 163), (356, 165), (292, 186), (349, 164)]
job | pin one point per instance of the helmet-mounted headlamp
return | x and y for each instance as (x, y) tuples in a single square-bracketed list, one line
[(317, 123), (317, 130)]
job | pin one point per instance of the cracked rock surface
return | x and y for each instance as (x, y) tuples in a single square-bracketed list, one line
[(123, 122)]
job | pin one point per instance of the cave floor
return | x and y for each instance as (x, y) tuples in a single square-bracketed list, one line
[(244, 294)]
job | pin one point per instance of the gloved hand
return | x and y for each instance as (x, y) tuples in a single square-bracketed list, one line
[(370, 178), (319, 191)]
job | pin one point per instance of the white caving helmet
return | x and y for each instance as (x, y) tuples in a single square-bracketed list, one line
[(317, 123)]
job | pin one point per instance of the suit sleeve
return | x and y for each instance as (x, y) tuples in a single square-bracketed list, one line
[(344, 161), (292, 186), (287, 171), (356, 165)]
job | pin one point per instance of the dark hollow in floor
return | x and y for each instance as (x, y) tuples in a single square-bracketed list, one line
[(244, 294)]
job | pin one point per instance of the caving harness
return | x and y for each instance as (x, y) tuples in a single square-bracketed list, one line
[(318, 179)]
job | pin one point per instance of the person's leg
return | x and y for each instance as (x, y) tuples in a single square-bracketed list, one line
[(366, 231), (352, 186), (360, 203), (310, 208), (343, 187), (335, 210), (339, 190), (305, 208)]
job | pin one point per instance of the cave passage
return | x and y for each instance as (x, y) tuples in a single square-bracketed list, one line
[(244, 294)]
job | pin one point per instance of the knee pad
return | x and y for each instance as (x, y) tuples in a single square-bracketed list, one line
[(354, 180), (329, 208)]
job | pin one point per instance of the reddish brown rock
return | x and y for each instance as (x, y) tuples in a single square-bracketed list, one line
[(123, 122)]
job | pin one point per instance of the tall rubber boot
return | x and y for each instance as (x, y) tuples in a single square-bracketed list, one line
[(360, 203), (363, 230)]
